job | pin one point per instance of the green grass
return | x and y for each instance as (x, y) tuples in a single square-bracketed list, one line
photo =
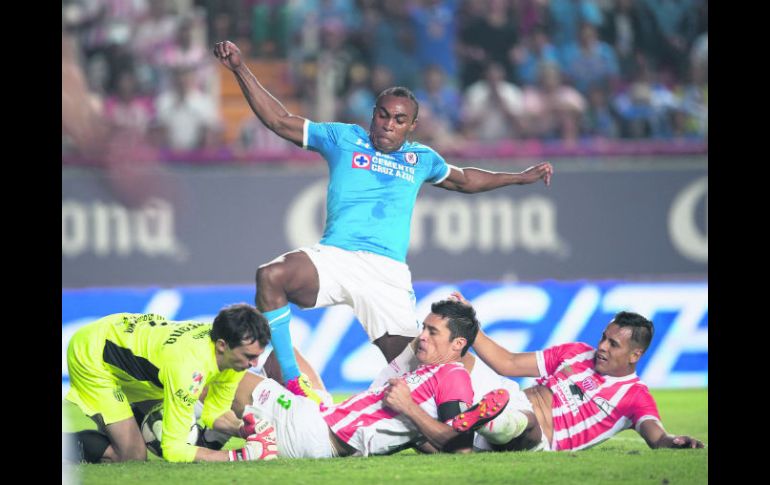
[(623, 459)]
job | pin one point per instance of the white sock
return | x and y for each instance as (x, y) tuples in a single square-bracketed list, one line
[(509, 425)]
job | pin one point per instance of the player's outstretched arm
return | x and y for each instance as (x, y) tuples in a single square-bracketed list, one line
[(472, 180), (267, 108), (656, 437), (501, 360)]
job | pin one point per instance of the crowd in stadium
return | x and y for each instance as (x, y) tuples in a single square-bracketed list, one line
[(485, 72)]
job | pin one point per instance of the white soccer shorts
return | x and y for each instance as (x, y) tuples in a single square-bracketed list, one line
[(300, 430), (379, 289)]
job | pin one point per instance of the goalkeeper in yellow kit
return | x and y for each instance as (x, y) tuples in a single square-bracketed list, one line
[(129, 358)]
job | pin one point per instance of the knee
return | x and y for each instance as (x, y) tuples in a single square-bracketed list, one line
[(271, 276)]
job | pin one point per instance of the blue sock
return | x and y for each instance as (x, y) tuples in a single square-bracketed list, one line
[(281, 339)]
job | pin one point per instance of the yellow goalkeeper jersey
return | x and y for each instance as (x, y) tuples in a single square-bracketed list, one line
[(149, 357)]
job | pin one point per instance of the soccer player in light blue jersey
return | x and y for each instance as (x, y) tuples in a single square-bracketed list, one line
[(374, 178)]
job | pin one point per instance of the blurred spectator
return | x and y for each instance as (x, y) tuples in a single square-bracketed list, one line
[(130, 166), (647, 108), (337, 55), (488, 38), (439, 120), (553, 110), (435, 31), (599, 120), (695, 102), (334, 61), (359, 100), (699, 54), (394, 44), (188, 52), (155, 31), (440, 97), (107, 28), (435, 132), (187, 116), (306, 17), (590, 61), (529, 15), (676, 22), (568, 15), (535, 50), (628, 28), (128, 108), (492, 107), (268, 26), (255, 138)]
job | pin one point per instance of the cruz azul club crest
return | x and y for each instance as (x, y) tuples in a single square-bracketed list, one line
[(411, 158), (361, 160)]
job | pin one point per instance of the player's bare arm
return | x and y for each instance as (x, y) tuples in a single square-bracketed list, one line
[(505, 362), (471, 180), (656, 437), (502, 361), (268, 109)]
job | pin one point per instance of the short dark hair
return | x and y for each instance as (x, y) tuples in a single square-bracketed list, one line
[(642, 329), (401, 92), (461, 320), (240, 324)]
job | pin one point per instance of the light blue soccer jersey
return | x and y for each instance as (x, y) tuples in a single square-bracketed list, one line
[(371, 195)]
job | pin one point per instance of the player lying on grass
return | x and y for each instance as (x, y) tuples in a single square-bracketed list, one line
[(419, 408), (583, 395), (130, 358)]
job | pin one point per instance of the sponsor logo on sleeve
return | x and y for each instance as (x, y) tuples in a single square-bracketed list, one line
[(263, 396), (197, 378)]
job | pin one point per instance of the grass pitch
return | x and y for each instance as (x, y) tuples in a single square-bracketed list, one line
[(623, 459)]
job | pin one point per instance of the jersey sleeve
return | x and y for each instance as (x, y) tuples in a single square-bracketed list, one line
[(439, 169), (642, 407), (178, 412), (549, 359), (454, 384), (220, 396), (322, 137)]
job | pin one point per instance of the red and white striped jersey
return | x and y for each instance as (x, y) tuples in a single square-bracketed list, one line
[(589, 408), (364, 422)]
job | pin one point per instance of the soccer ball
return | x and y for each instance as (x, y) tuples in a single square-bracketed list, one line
[(152, 430)]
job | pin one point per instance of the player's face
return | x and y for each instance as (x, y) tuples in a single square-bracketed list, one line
[(616, 354), (392, 120), (241, 357), (434, 345)]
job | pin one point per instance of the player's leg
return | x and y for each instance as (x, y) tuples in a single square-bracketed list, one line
[(516, 428), (273, 370), (524, 431), (98, 394), (384, 302), (392, 346), (292, 277), (125, 439), (88, 446)]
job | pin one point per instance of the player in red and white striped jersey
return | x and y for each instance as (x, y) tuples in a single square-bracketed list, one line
[(584, 395), (410, 410)]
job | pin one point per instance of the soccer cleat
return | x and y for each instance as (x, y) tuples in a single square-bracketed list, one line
[(301, 387), (488, 408)]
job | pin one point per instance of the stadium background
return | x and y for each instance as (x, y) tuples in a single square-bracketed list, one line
[(176, 208)]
